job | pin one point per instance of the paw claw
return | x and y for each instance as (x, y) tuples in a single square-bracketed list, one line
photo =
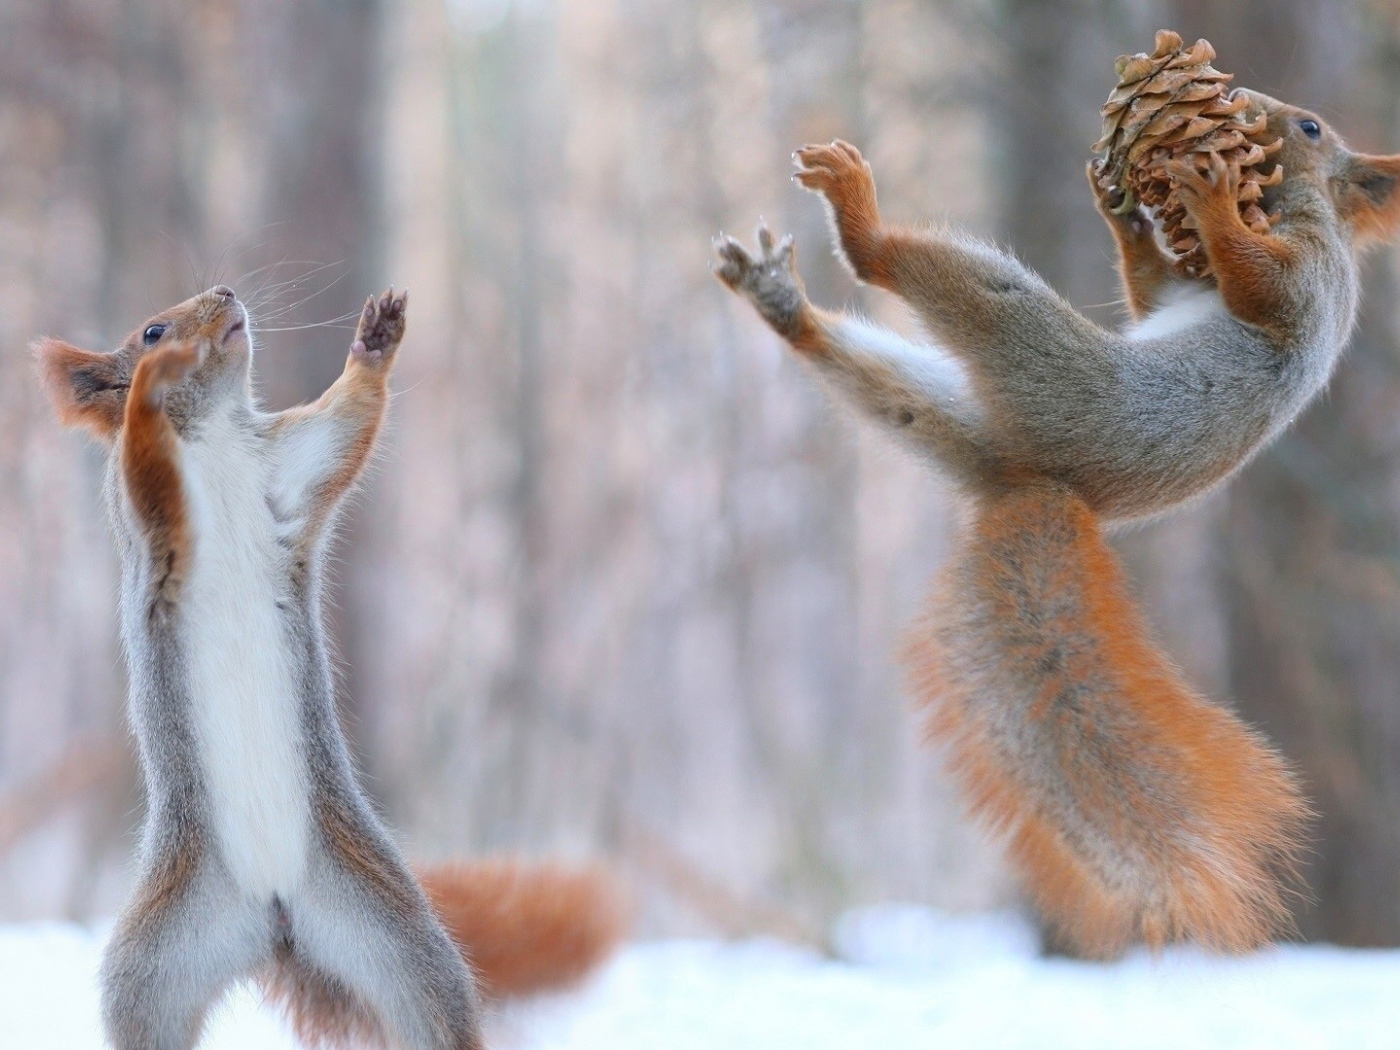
[(735, 260)]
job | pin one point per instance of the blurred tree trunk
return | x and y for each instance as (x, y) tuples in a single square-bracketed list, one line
[(638, 612), (320, 134), (1309, 546), (1056, 68)]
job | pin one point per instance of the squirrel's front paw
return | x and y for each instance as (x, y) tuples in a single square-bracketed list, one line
[(1112, 202), (835, 170), (839, 173), (168, 366), (1217, 186), (381, 328), (769, 281)]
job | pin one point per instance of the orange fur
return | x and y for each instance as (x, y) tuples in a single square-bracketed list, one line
[(527, 928), (150, 461), (357, 399), (1135, 809), (87, 389), (1251, 269), (379, 872), (841, 174)]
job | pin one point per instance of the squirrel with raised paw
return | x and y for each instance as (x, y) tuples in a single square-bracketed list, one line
[(1134, 808), (260, 855)]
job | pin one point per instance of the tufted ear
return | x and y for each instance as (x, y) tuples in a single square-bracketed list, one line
[(87, 389), (1368, 196)]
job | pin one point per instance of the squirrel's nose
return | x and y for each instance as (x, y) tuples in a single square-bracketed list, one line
[(223, 290)]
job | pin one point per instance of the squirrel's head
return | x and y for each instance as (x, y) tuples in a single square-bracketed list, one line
[(88, 388), (1363, 188)]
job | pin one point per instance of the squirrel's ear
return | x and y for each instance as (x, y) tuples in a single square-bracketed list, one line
[(87, 389), (1368, 196)]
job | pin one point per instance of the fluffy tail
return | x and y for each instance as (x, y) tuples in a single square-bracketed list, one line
[(527, 928), (1135, 809)]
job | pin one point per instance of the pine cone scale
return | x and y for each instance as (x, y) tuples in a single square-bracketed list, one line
[(1173, 105)]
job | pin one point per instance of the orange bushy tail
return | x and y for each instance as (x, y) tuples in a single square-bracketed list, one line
[(527, 928), (1135, 809)]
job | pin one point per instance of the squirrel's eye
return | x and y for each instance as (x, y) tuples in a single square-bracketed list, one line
[(1311, 128), (153, 334)]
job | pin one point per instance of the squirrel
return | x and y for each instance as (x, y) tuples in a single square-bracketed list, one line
[(1134, 809), (260, 854)]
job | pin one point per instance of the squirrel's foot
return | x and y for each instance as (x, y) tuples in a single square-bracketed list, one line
[(840, 174), (1214, 190), (381, 329), (769, 281), (167, 366), (1136, 220), (835, 170)]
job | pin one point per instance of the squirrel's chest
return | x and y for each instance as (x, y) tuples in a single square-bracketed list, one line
[(243, 673)]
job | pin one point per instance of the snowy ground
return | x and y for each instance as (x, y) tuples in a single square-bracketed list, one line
[(907, 978)]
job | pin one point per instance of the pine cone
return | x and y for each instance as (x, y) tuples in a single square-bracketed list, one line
[(1173, 104)]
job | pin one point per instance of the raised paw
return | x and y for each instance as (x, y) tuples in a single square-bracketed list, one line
[(1215, 185), (381, 328), (742, 272), (160, 369), (835, 169), (768, 280), (1113, 204), (840, 174)]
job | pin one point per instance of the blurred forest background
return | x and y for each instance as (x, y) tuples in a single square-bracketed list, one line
[(625, 584)]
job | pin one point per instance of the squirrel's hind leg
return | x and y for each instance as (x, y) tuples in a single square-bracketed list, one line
[(917, 389), (978, 301), (370, 956), (770, 281), (180, 943)]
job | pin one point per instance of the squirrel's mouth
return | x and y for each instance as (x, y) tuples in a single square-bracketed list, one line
[(241, 325)]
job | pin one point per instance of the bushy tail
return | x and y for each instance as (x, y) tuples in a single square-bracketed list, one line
[(1135, 809), (527, 928)]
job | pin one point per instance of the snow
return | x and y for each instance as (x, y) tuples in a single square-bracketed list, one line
[(903, 977)]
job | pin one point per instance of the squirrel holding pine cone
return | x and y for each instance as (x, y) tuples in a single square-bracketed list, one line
[(1134, 808)]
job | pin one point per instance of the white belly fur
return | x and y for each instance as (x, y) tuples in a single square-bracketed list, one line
[(1185, 307), (241, 669)]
